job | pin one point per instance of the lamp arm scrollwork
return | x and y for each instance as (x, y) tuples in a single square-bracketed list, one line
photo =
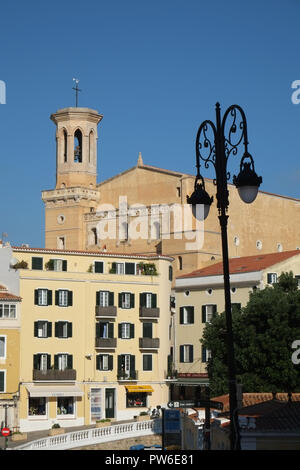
[(205, 143)]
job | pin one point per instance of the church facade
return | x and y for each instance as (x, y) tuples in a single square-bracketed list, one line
[(144, 209)]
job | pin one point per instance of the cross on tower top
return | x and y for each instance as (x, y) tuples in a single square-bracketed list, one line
[(76, 90)]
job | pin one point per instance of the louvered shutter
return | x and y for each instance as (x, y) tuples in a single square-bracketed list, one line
[(131, 330), (131, 300), (181, 316), (153, 300), (70, 298), (49, 297), (110, 362), (111, 299)]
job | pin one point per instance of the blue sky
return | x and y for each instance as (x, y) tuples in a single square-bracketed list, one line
[(155, 71)]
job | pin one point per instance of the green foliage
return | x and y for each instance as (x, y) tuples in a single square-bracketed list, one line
[(263, 334), (21, 265), (148, 269)]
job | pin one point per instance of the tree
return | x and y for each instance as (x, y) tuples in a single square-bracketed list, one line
[(263, 334)]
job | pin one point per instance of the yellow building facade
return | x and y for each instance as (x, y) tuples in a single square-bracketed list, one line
[(200, 295), (94, 336)]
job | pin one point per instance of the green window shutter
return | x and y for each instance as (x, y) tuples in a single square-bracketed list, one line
[(181, 354), (57, 297), (70, 361), (2, 381), (56, 329), (132, 364), (36, 361), (55, 361), (64, 265), (191, 353), (120, 300), (70, 298), (98, 362), (113, 268), (110, 362), (142, 299), (111, 298), (181, 316), (110, 330), (98, 265), (98, 297), (120, 330), (69, 330), (49, 329), (147, 330), (36, 296), (119, 364), (214, 310), (48, 361), (153, 300), (203, 313), (131, 330), (131, 300), (35, 329), (129, 268), (36, 263), (192, 315), (203, 354), (97, 330), (49, 297)]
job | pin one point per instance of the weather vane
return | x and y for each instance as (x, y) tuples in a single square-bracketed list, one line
[(76, 89)]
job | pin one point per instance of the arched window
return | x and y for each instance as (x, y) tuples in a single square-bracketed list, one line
[(78, 146), (65, 144)]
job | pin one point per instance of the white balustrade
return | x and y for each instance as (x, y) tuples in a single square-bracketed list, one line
[(94, 436)]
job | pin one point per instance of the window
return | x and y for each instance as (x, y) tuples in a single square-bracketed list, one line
[(206, 354), (186, 353), (271, 278), (186, 315), (180, 265), (42, 297), (8, 311), (126, 330), (296, 277), (104, 362), (78, 146), (36, 263), (42, 329), (37, 406), (126, 300), (136, 400), (65, 143), (64, 298), (98, 267), (2, 347), (126, 366), (123, 231), (41, 361), (148, 300), (63, 329), (2, 381), (119, 268), (208, 311), (104, 298), (147, 361), (104, 330), (61, 243), (65, 406), (170, 273), (63, 361)]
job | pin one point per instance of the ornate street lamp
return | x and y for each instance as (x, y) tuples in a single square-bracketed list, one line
[(216, 150)]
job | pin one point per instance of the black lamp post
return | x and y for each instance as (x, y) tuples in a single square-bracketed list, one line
[(216, 150)]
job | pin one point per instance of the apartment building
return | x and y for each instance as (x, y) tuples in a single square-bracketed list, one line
[(200, 295), (94, 337)]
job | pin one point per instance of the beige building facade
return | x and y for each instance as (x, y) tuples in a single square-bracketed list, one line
[(94, 335), (78, 208), (200, 295)]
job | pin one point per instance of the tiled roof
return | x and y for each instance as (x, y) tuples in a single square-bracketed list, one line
[(250, 399), (26, 249), (7, 296), (243, 264)]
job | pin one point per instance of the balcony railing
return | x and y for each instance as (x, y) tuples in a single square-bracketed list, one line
[(110, 311), (149, 312), (106, 342), (149, 343), (54, 374), (127, 375)]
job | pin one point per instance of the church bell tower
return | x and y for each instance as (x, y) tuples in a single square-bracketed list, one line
[(76, 192)]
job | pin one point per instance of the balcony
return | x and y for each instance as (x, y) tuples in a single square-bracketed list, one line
[(149, 343), (54, 374), (106, 343), (110, 311), (127, 375), (149, 312)]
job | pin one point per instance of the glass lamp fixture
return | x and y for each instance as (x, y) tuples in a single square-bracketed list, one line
[(247, 181), (200, 197)]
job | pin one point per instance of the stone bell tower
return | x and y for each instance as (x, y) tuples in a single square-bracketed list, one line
[(75, 193)]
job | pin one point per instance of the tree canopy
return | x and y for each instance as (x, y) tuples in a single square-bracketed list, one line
[(263, 332)]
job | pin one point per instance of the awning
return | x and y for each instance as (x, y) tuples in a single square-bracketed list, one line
[(139, 388), (54, 391)]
